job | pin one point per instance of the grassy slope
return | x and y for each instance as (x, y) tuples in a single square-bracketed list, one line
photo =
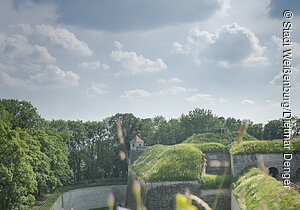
[(210, 147), (170, 163), (222, 138), (254, 188), (211, 181), (251, 147)]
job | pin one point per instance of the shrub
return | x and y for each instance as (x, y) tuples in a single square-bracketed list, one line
[(254, 188)]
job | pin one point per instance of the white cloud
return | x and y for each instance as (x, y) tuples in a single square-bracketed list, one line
[(225, 7), (230, 45), (277, 80), (96, 89), (176, 90), (170, 81), (273, 104), (64, 38), (294, 45), (200, 97), (247, 101), (294, 78), (94, 65), (17, 53), (133, 64), (118, 45), (31, 66), (10, 81), (222, 100), (136, 95), (105, 66), (26, 12), (53, 77)]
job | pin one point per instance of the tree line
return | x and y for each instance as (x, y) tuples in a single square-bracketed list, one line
[(37, 155)]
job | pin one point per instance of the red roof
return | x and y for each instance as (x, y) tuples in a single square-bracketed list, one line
[(136, 139)]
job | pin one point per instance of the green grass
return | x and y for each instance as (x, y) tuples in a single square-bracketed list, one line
[(170, 163), (210, 181), (210, 147), (252, 147), (221, 138), (51, 201), (254, 188)]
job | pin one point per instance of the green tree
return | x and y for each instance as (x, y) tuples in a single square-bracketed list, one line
[(233, 124), (18, 180), (147, 130), (92, 135), (256, 130), (4, 115), (273, 130), (199, 121), (168, 133), (21, 114), (39, 161), (53, 146), (296, 126), (130, 127), (76, 144)]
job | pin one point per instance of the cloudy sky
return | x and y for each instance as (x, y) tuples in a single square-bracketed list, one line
[(91, 59)]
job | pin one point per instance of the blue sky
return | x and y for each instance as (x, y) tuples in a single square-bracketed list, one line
[(91, 59)]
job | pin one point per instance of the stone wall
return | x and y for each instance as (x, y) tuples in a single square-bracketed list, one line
[(93, 197), (130, 197), (90, 197), (234, 203), (240, 162), (134, 154), (161, 195), (58, 204), (217, 163)]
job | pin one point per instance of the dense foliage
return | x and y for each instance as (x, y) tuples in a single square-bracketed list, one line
[(18, 181), (210, 181), (169, 163), (254, 189), (33, 156), (223, 138), (263, 147), (273, 129), (37, 155)]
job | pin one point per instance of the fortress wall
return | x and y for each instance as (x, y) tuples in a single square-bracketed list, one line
[(58, 204), (134, 154), (161, 195), (130, 196), (90, 197), (241, 162), (234, 203), (217, 163)]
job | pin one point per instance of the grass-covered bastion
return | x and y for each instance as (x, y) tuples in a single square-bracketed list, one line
[(212, 165)]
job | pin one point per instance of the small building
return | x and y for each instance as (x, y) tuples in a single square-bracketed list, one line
[(136, 148), (136, 142)]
